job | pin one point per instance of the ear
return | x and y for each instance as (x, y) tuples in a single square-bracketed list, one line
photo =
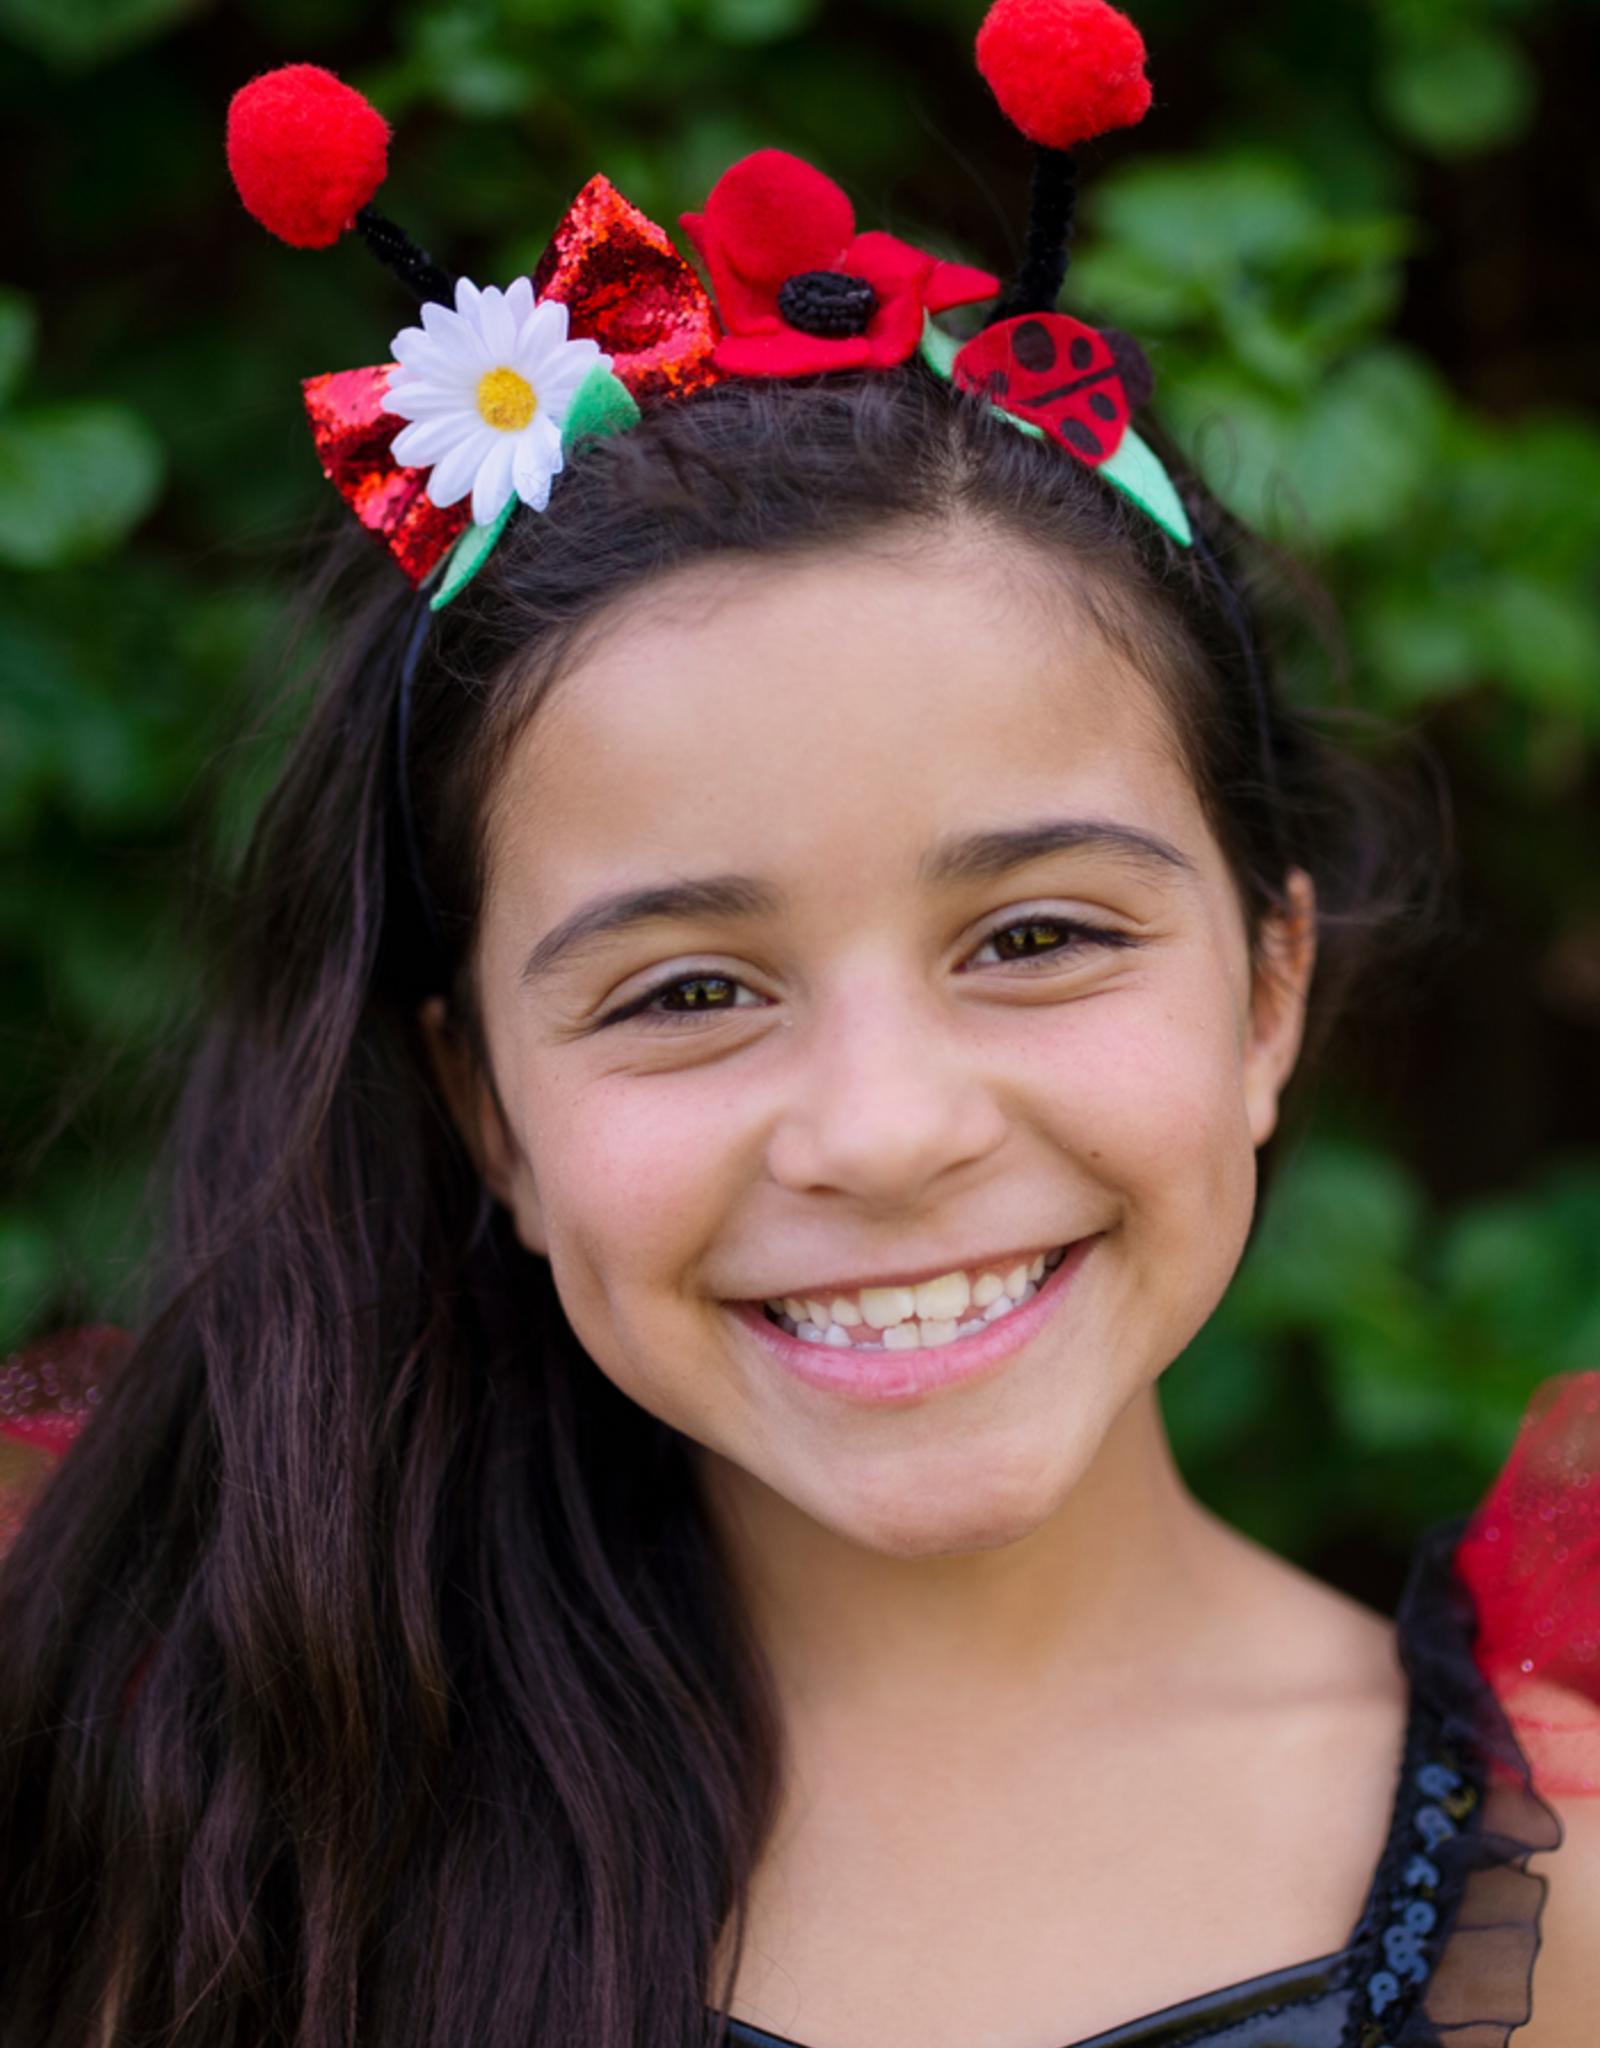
[(480, 1121), (1286, 954)]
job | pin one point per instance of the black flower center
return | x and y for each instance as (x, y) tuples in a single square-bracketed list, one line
[(827, 303)]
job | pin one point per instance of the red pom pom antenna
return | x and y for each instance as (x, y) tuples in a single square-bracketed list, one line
[(1064, 70), (307, 152)]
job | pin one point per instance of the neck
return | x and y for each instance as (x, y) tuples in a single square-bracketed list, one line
[(1123, 1569)]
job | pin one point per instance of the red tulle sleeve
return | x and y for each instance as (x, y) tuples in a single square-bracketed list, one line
[(1531, 1560), (47, 1393)]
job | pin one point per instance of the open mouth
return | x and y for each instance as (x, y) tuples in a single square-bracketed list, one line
[(918, 1317)]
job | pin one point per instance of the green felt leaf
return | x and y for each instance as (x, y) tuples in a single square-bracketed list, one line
[(602, 405), (469, 554), (74, 479), (939, 350), (1138, 472), (18, 331)]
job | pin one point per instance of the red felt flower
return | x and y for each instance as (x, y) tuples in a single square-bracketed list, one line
[(799, 290)]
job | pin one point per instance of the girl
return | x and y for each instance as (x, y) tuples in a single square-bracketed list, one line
[(640, 1509)]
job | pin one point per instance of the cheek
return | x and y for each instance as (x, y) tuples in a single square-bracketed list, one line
[(634, 1178), (1148, 1097), (638, 1180)]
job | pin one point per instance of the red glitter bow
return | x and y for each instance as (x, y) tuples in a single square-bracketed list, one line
[(799, 290), (624, 286)]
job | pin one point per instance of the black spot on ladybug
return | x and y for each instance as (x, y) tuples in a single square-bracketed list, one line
[(827, 303), (1101, 406), (1082, 352), (1086, 442), (1033, 346), (998, 384), (1133, 367)]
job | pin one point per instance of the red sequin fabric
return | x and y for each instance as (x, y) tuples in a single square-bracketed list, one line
[(47, 1393), (1531, 1560), (625, 286), (353, 434)]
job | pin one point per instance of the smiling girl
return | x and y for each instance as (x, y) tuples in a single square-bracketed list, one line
[(641, 1506)]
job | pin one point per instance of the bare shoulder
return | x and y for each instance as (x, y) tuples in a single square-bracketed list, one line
[(1566, 1978), (1335, 1646), (1349, 1652)]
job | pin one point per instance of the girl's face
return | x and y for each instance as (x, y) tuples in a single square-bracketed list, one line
[(855, 942)]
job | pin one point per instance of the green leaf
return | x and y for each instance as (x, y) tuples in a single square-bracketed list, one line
[(28, 1261), (1385, 1402), (601, 405), (1138, 472), (1246, 253), (1215, 1392), (74, 479), (459, 59), (18, 330), (1208, 220), (757, 21), (1337, 1239), (1339, 465), (469, 554), (1475, 91), (1366, 444), (77, 33)]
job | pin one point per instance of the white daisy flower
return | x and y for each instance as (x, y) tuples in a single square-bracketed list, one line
[(486, 388)]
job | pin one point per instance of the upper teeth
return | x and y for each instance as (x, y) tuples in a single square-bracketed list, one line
[(902, 1318)]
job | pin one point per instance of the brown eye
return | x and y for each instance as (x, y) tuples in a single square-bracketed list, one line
[(700, 992), (1026, 941), (1045, 938)]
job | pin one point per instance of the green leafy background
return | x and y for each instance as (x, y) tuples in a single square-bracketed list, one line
[(1361, 242)]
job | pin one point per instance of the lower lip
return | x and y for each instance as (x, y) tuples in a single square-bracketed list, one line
[(887, 1377)]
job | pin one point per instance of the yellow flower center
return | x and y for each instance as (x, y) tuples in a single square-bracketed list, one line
[(506, 400)]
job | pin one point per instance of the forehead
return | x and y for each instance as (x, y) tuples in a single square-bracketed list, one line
[(836, 709)]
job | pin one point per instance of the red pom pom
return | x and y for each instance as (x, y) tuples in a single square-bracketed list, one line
[(306, 152), (1064, 70)]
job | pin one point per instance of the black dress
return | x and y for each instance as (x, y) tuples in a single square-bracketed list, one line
[(1442, 1956)]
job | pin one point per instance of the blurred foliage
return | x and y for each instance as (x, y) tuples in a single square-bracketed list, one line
[(1374, 1356), (1355, 242)]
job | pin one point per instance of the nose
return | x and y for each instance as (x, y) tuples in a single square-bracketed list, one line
[(886, 1102)]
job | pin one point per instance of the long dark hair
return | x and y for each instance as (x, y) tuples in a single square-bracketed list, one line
[(370, 1670)]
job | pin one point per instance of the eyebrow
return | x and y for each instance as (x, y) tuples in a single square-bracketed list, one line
[(722, 898), (986, 855), (719, 899)]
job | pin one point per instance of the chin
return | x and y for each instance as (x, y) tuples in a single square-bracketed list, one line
[(918, 1515)]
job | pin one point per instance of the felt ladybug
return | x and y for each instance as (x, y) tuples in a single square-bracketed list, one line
[(1077, 384)]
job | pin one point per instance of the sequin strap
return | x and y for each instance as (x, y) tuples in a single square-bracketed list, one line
[(1445, 1949)]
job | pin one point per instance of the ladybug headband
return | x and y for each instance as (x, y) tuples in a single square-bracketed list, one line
[(487, 400)]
